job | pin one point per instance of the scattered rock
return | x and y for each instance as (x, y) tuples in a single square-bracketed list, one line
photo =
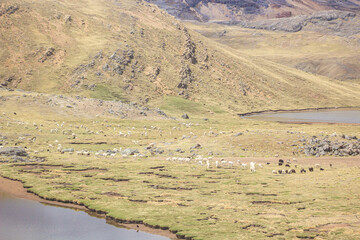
[(185, 116), (16, 159), (130, 151), (67, 19), (197, 146), (160, 112), (13, 151), (9, 10), (320, 147)]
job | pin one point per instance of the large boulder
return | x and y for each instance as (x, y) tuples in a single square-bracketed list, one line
[(130, 151), (185, 116)]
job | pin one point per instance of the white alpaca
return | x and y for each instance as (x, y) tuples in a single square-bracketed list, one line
[(252, 167)]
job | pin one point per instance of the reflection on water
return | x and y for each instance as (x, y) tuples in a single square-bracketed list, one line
[(350, 116), (24, 219)]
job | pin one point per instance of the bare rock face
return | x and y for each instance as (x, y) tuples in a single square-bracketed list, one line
[(324, 19), (227, 10)]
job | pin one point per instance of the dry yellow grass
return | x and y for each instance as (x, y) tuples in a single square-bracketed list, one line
[(223, 78)]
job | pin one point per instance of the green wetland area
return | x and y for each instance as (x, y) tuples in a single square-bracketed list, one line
[(191, 178)]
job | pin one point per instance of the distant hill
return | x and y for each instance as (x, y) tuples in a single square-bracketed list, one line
[(134, 52), (235, 10), (334, 23)]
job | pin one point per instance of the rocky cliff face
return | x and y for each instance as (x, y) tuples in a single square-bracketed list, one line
[(226, 10)]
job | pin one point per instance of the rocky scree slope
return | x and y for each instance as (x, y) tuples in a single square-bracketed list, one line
[(227, 10)]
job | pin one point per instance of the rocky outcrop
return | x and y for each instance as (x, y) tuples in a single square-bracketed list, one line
[(121, 59), (48, 53), (185, 73), (8, 81), (186, 77), (325, 19), (190, 48), (9, 10), (114, 64), (13, 151), (321, 147)]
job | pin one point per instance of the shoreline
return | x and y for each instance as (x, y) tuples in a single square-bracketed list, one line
[(16, 189)]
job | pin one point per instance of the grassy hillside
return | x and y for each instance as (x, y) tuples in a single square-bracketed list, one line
[(330, 50), (134, 52)]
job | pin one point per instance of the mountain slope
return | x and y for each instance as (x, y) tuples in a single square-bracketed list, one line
[(231, 10), (328, 48), (135, 52)]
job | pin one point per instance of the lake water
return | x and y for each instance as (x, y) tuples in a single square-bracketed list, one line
[(340, 116), (24, 219)]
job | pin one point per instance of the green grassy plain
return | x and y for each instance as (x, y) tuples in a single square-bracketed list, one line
[(186, 197)]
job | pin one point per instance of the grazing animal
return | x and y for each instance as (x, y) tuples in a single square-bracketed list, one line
[(286, 171), (243, 165), (280, 171), (280, 164), (267, 163), (283, 171), (217, 164), (317, 165), (321, 169), (260, 165), (331, 165), (302, 171), (281, 161), (252, 167), (274, 172), (288, 161), (311, 169), (292, 171), (207, 164), (287, 165)]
